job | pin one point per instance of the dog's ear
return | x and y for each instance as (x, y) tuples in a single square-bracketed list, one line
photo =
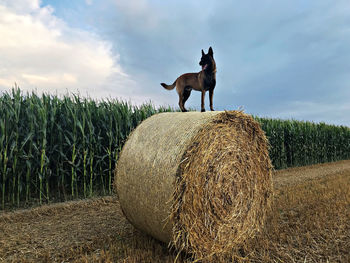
[(203, 53), (210, 52)]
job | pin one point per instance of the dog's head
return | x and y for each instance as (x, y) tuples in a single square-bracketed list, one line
[(207, 60)]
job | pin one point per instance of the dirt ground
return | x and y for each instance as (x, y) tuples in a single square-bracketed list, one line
[(52, 232), (299, 175), (95, 230)]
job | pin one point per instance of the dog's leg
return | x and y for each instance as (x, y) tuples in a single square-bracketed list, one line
[(202, 101), (181, 102), (211, 93), (186, 95)]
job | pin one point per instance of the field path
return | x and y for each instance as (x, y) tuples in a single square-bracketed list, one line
[(68, 231)]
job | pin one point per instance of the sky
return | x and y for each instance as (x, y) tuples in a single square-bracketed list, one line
[(275, 58)]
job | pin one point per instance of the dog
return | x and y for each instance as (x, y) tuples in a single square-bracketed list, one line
[(202, 81)]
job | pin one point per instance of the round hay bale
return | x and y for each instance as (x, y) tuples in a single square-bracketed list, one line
[(199, 181)]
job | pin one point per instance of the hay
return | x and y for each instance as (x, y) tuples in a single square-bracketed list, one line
[(199, 181)]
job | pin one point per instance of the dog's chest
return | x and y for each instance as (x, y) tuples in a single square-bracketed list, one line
[(209, 81)]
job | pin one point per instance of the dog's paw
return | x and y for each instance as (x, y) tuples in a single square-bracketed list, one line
[(202, 110)]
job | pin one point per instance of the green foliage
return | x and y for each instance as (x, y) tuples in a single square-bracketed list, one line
[(61, 147), (298, 143), (64, 148)]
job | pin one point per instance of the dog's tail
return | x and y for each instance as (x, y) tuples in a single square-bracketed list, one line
[(169, 87)]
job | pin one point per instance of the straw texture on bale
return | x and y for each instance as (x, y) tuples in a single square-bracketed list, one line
[(201, 182)]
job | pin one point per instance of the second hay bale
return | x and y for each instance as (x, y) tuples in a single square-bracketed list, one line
[(200, 181)]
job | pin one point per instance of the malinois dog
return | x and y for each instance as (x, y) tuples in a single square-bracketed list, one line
[(201, 81)]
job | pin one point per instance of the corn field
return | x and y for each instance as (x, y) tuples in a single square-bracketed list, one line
[(55, 148), (298, 143), (61, 148)]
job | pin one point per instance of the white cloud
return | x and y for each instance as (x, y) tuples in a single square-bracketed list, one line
[(22, 6), (39, 51)]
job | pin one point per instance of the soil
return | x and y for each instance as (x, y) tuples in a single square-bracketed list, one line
[(72, 231), (299, 175), (51, 232)]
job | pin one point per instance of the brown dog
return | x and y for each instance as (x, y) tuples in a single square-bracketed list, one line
[(201, 81)]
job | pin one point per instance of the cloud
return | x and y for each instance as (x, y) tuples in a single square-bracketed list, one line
[(40, 51), (24, 6), (274, 58)]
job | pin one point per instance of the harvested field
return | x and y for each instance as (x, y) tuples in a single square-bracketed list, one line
[(309, 223)]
